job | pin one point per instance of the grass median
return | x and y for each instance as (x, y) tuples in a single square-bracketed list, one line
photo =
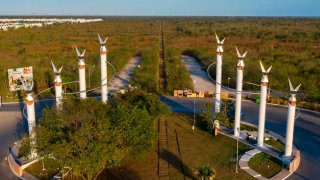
[(266, 165)]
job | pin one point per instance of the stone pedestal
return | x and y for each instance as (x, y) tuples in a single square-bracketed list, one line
[(216, 131)]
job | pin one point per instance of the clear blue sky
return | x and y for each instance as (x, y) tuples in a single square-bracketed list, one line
[(162, 7)]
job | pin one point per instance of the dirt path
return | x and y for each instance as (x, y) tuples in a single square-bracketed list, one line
[(122, 79), (201, 81), (162, 68), (163, 165)]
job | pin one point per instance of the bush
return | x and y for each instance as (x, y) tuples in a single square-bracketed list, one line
[(205, 171), (146, 77)]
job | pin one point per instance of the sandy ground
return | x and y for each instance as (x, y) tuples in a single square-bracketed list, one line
[(201, 81)]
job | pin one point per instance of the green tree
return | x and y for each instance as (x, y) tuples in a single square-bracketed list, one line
[(88, 136)]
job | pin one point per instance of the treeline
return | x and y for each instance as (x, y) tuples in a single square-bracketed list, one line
[(290, 45), (37, 47)]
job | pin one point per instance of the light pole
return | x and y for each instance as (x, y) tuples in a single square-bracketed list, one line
[(228, 81), (43, 169), (237, 150), (90, 75), (5, 81), (194, 114)]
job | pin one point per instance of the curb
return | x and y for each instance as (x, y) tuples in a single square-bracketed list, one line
[(243, 162), (13, 154)]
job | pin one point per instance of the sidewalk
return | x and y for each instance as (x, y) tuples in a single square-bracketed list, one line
[(243, 162)]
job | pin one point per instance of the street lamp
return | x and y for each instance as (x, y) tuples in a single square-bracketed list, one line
[(90, 75), (238, 129), (194, 115), (43, 169), (228, 81)]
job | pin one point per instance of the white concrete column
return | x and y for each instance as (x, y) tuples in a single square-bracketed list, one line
[(237, 116), (58, 86), (82, 80), (290, 120), (82, 74), (103, 62), (263, 104), (219, 52), (31, 124)]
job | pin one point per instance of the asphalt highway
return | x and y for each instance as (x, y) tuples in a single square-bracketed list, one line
[(12, 126)]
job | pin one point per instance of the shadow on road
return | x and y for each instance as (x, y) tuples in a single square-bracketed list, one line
[(22, 125)]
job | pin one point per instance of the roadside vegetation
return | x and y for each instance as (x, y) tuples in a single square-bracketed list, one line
[(37, 47), (177, 75), (190, 149), (90, 136), (279, 42), (276, 144), (146, 76)]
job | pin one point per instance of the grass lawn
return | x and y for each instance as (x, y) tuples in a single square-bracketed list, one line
[(230, 125), (187, 150), (145, 167), (266, 165), (198, 148), (49, 166), (276, 144)]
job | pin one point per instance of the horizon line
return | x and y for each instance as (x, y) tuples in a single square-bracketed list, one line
[(70, 15)]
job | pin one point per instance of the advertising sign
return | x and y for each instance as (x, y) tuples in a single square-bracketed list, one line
[(19, 75)]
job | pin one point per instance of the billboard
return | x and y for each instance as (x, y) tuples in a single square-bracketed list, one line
[(17, 76)]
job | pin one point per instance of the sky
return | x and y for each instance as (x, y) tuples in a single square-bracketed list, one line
[(162, 7)]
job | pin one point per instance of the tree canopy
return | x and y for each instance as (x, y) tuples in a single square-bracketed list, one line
[(88, 136)]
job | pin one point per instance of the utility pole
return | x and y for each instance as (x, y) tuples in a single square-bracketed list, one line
[(5, 81), (194, 114), (90, 75)]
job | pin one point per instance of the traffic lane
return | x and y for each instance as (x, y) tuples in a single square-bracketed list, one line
[(12, 126), (10, 115), (306, 137)]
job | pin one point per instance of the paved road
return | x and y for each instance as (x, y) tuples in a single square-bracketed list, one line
[(198, 75), (307, 130), (307, 126), (306, 137), (12, 125)]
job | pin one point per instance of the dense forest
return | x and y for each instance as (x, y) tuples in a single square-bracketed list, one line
[(290, 45)]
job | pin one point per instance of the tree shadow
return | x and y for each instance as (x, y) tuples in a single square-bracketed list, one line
[(176, 162), (119, 173), (22, 125)]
